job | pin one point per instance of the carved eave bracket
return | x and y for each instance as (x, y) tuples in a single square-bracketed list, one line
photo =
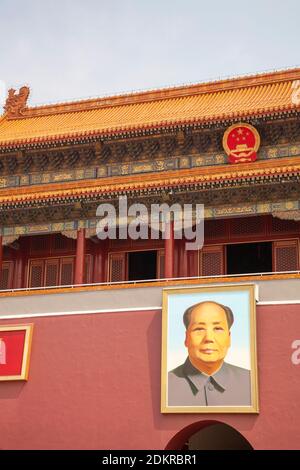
[(287, 215), (89, 233), (8, 240), (16, 102)]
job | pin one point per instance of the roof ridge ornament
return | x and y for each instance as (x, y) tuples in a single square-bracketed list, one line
[(16, 102)]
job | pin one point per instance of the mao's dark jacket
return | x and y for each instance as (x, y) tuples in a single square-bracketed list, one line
[(230, 386)]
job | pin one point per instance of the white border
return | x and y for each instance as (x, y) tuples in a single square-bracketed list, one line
[(79, 312), (125, 310)]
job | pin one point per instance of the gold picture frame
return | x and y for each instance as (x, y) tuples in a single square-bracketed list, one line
[(24, 351), (185, 393)]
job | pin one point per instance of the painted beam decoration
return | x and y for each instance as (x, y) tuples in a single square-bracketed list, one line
[(15, 346), (241, 143)]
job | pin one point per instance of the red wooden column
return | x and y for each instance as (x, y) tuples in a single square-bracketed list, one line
[(18, 281), (169, 250), (80, 257), (1, 257), (183, 259), (193, 261), (95, 264), (176, 269), (105, 260), (98, 275)]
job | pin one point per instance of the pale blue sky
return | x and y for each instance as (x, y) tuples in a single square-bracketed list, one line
[(72, 49)]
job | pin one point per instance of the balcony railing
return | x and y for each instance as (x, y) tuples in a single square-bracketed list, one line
[(165, 281)]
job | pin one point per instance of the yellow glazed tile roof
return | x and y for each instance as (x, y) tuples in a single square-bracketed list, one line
[(209, 102)]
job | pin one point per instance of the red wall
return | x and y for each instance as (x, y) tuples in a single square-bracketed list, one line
[(94, 383)]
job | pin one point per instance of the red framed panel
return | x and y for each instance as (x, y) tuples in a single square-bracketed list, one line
[(15, 346)]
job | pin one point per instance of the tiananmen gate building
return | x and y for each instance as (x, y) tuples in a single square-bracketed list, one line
[(95, 373)]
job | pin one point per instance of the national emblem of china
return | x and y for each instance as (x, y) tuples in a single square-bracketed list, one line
[(241, 142)]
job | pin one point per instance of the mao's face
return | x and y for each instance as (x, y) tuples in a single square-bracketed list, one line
[(208, 335)]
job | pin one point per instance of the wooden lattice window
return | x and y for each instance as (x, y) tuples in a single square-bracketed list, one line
[(215, 229), (51, 272), (36, 273), (6, 275), (283, 226), (286, 255), (67, 271), (247, 226), (211, 260), (56, 271), (117, 267)]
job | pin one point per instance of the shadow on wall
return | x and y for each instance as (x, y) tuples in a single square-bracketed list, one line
[(11, 389), (209, 435)]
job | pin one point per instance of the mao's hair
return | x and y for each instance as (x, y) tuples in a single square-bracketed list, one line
[(187, 314)]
